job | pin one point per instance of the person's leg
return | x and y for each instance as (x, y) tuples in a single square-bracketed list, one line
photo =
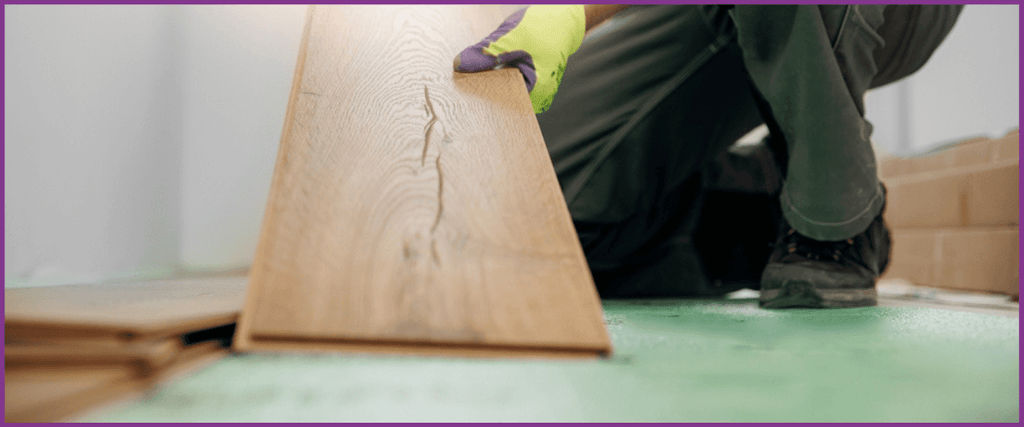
[(644, 104), (811, 66), (911, 34), (815, 94)]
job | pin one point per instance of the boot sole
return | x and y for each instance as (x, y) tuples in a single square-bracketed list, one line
[(801, 294), (831, 291)]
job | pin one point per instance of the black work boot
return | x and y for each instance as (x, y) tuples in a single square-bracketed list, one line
[(807, 273)]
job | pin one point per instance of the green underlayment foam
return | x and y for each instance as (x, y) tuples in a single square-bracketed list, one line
[(675, 360)]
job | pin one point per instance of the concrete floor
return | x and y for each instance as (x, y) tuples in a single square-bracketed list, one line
[(675, 360)]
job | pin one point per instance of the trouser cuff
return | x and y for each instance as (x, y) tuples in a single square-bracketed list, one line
[(804, 221)]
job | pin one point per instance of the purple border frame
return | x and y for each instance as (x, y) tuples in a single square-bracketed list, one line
[(3, 13)]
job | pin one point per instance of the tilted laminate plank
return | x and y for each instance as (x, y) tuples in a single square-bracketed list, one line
[(421, 349), (412, 204)]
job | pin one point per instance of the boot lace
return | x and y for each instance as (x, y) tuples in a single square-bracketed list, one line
[(814, 249)]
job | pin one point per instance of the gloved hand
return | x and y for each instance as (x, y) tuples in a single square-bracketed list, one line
[(538, 40)]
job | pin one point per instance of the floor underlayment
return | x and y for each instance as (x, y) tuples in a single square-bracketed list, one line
[(675, 360)]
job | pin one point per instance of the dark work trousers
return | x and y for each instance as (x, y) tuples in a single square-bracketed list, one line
[(642, 130)]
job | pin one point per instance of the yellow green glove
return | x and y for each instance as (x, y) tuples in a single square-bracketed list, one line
[(538, 41)]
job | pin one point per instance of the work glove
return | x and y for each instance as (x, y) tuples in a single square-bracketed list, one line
[(538, 41)]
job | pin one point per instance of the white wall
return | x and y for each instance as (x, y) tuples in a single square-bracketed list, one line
[(237, 66), (92, 146), (140, 139), (970, 86)]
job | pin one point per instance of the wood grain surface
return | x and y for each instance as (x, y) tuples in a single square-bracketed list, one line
[(151, 354), (411, 204), (120, 312), (37, 395), (42, 393)]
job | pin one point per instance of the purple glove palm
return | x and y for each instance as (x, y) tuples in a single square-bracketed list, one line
[(473, 59), (538, 41)]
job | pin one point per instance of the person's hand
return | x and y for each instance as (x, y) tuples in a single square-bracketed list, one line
[(538, 41)]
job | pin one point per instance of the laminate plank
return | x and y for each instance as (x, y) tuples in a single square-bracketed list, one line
[(35, 395), (151, 354), (41, 393), (122, 312), (411, 204), (379, 347)]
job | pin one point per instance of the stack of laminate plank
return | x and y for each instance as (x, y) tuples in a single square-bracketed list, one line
[(954, 216), (69, 349)]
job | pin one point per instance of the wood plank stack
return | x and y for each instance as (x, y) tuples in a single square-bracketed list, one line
[(413, 209), (954, 216), (71, 348)]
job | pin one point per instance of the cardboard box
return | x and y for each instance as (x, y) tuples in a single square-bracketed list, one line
[(983, 259), (975, 151), (980, 195)]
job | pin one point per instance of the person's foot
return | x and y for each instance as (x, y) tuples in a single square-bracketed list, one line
[(807, 273)]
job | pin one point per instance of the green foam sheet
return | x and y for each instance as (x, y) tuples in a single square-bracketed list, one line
[(675, 360)]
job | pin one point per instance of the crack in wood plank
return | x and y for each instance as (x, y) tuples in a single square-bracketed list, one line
[(440, 193), (430, 125), (437, 166)]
